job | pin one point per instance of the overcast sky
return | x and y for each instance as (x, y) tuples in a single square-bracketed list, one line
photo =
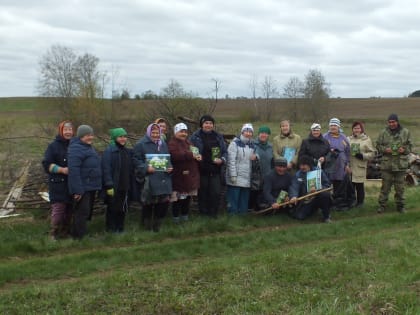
[(363, 47)]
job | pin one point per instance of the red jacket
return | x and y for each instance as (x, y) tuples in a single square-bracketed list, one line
[(186, 175)]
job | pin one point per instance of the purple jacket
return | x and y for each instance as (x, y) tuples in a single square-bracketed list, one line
[(340, 145)]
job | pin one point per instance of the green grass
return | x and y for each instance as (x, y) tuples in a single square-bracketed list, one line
[(363, 263)]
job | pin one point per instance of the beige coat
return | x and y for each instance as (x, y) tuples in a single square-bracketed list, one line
[(361, 144), (281, 141)]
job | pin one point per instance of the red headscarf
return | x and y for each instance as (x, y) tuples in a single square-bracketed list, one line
[(65, 123)]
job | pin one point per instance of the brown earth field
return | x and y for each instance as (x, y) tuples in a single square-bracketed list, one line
[(345, 108)]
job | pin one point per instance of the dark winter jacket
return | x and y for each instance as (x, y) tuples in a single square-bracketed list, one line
[(186, 175), (273, 184), (56, 153), (84, 168), (159, 183), (117, 161), (314, 147), (205, 142), (264, 152), (298, 187)]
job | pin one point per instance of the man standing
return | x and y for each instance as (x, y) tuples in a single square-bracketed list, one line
[(394, 143)]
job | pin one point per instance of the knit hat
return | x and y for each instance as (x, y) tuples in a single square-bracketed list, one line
[(264, 129), (179, 127), (306, 160), (281, 161), (358, 123), (393, 117), (335, 122), (205, 118), (315, 126), (117, 132), (84, 130), (248, 127), (65, 123)]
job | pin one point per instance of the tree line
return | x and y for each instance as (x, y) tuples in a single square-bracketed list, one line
[(79, 86)]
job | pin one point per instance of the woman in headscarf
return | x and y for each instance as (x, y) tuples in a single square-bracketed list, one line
[(241, 152), (340, 150), (186, 176), (55, 164), (315, 146), (152, 162)]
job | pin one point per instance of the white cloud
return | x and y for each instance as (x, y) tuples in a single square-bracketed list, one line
[(363, 48)]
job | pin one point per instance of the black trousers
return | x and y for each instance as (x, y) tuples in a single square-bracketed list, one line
[(305, 209), (82, 212), (209, 194), (360, 192), (153, 214), (115, 212)]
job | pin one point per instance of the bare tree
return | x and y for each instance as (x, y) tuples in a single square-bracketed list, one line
[(269, 91), (174, 102), (253, 84), (89, 77), (58, 74), (74, 81), (294, 90), (217, 84), (173, 90), (316, 94)]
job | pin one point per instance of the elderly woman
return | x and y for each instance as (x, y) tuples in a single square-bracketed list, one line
[(241, 152), (55, 164), (186, 176), (315, 146), (340, 151), (152, 162), (85, 178), (361, 150)]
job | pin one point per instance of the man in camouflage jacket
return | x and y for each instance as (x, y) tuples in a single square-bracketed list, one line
[(394, 143)]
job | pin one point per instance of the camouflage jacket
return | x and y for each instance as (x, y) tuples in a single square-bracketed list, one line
[(394, 161)]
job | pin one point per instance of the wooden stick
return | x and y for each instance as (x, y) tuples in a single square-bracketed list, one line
[(297, 199)]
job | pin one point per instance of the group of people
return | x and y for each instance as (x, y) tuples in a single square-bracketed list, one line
[(160, 171)]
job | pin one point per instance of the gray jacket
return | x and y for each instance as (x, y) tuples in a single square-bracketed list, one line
[(239, 163)]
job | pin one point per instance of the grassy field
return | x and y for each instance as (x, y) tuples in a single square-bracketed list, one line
[(362, 263)]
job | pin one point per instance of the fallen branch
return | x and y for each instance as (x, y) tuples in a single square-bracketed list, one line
[(288, 202)]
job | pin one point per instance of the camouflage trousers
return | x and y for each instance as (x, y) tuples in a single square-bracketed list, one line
[(389, 179)]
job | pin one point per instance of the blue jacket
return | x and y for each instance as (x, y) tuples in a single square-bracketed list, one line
[(160, 183), (84, 168), (298, 187), (56, 153)]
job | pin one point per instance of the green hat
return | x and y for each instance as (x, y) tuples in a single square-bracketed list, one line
[(117, 132), (264, 129)]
